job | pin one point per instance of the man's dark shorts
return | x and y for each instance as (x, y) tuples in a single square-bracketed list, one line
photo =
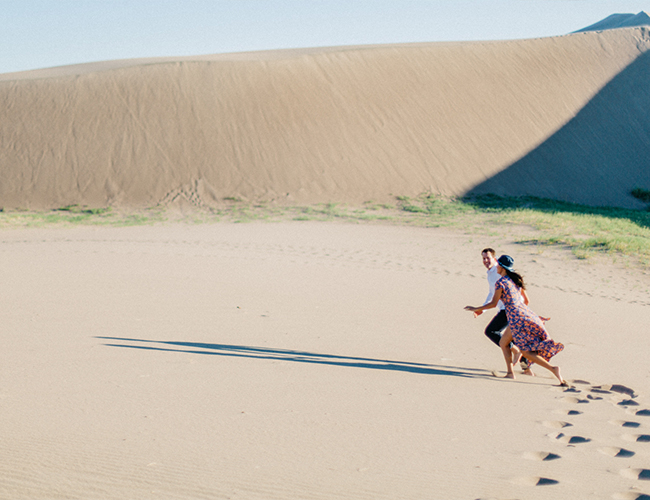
[(496, 327)]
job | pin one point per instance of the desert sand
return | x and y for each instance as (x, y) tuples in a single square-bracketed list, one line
[(309, 360), (314, 360), (562, 117)]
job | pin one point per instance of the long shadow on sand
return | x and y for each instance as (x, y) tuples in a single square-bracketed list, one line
[(598, 156), (268, 353)]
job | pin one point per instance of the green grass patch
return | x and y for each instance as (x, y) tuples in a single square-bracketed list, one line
[(585, 230), (74, 215)]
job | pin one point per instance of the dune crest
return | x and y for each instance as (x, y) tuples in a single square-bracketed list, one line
[(346, 124)]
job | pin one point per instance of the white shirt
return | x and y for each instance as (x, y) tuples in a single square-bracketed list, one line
[(493, 276)]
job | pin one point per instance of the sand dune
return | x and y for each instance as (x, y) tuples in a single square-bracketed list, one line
[(348, 124), (619, 21)]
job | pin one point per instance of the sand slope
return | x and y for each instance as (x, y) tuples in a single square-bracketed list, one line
[(345, 124)]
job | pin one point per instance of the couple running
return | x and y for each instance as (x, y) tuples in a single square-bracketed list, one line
[(516, 329)]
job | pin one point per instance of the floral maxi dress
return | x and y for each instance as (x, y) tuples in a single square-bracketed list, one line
[(528, 331)]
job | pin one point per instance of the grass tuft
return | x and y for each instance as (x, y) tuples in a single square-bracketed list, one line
[(585, 230)]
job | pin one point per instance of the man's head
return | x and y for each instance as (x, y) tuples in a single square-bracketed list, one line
[(489, 257)]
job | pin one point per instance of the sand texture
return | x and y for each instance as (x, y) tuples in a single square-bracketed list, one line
[(563, 117), (315, 360)]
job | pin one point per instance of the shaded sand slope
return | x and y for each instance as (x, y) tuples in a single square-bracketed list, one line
[(599, 155), (619, 21), (340, 124)]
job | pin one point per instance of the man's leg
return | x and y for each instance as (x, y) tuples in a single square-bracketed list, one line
[(495, 328)]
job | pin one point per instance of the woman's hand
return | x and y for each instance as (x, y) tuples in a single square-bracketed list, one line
[(476, 310)]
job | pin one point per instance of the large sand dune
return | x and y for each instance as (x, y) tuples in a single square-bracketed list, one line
[(565, 117)]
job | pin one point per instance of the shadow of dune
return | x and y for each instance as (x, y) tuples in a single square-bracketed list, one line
[(266, 353), (597, 157)]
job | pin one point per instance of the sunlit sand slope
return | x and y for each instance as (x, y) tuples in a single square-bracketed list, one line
[(348, 124)]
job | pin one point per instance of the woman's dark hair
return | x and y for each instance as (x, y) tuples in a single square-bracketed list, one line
[(517, 278)]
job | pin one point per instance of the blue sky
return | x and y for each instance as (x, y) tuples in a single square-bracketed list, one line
[(45, 33)]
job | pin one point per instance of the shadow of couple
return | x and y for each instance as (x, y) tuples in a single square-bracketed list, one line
[(269, 353)]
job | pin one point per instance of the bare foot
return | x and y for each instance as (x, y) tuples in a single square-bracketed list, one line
[(510, 375), (528, 372), (556, 372)]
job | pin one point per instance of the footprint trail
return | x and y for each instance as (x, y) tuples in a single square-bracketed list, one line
[(623, 455)]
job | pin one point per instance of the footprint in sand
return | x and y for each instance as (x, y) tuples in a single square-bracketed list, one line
[(535, 481), (625, 423), (567, 412), (575, 400), (556, 424), (598, 390), (640, 474), (631, 410), (621, 389), (637, 438), (628, 402), (616, 452), (631, 495), (569, 439), (542, 456)]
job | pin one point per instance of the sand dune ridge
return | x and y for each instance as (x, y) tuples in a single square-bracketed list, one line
[(334, 125)]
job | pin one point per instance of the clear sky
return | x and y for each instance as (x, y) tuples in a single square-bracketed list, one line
[(45, 33)]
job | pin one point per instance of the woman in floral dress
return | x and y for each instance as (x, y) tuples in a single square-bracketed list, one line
[(525, 328)]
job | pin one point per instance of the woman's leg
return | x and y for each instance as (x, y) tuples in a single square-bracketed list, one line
[(528, 371), (536, 358), (516, 354), (506, 338), (517, 357)]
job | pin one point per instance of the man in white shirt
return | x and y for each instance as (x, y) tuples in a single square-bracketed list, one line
[(499, 323)]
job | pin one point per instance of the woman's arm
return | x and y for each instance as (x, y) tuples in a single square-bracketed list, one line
[(490, 305)]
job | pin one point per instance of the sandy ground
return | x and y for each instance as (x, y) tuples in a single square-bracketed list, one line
[(308, 361)]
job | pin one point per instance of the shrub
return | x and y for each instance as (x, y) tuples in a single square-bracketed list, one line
[(641, 194)]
